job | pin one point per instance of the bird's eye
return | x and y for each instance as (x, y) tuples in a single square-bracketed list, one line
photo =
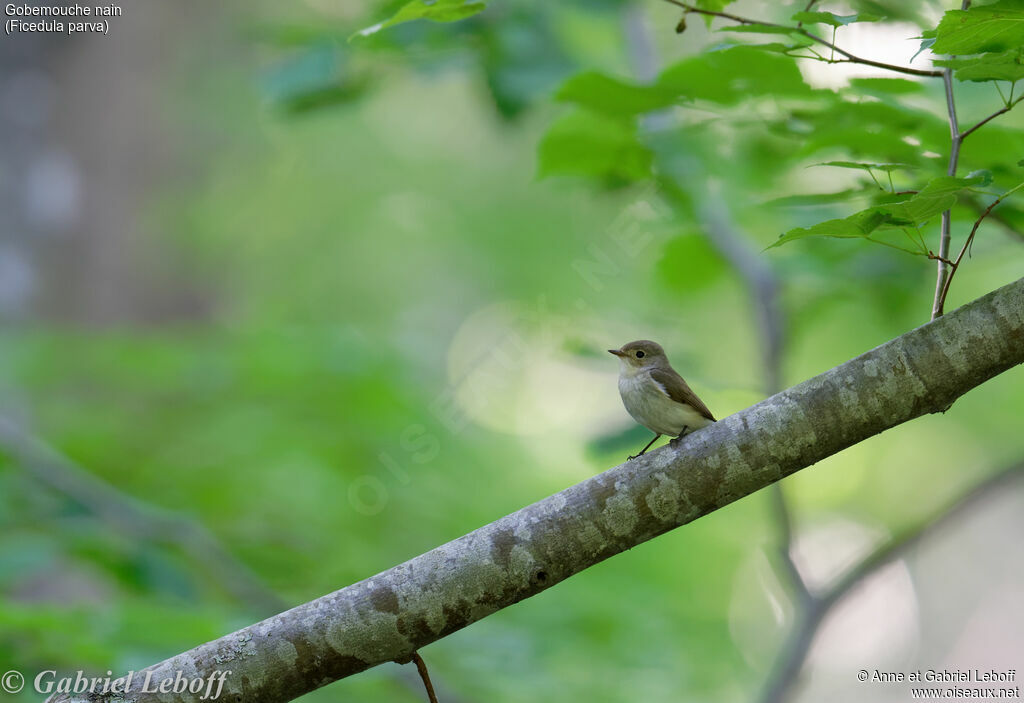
[(639, 355)]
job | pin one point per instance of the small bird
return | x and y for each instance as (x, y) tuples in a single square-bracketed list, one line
[(655, 395)]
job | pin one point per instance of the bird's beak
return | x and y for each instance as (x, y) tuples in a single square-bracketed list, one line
[(617, 352)]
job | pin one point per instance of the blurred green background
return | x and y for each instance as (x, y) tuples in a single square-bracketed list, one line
[(324, 300)]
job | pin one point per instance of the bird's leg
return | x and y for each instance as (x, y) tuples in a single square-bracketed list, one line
[(645, 448), (675, 440)]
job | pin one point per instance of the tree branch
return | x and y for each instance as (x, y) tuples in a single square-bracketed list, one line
[(389, 616), (813, 37)]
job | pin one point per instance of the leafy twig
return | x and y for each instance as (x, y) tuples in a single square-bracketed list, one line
[(1006, 108), (850, 58), (955, 264)]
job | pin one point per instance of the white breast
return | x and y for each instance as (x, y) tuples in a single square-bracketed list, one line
[(649, 405)]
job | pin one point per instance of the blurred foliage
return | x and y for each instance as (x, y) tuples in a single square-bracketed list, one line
[(411, 290)]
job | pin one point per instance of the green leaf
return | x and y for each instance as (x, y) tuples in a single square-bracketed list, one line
[(860, 224), (890, 86), (832, 19), (1005, 66), (996, 27), (940, 194), (612, 96), (436, 11), (731, 75), (984, 174), (815, 199), (927, 41), (886, 168), (713, 5), (588, 144)]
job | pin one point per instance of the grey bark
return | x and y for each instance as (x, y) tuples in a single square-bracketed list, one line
[(390, 615)]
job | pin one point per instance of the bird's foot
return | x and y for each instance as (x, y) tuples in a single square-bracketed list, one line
[(674, 442)]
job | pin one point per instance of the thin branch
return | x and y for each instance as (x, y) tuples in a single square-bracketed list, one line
[(1008, 227), (997, 113), (943, 268), (421, 666), (851, 58), (954, 265), (802, 636)]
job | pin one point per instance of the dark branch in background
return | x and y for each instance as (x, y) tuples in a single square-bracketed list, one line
[(763, 287), (850, 58), (391, 615), (797, 647), (139, 520)]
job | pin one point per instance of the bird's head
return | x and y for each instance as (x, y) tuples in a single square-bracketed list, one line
[(641, 354)]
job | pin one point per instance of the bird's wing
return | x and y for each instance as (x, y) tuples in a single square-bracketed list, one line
[(675, 388)]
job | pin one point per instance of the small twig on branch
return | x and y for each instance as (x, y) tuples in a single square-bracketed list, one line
[(421, 666), (851, 58), (1002, 111), (1008, 227), (955, 264)]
